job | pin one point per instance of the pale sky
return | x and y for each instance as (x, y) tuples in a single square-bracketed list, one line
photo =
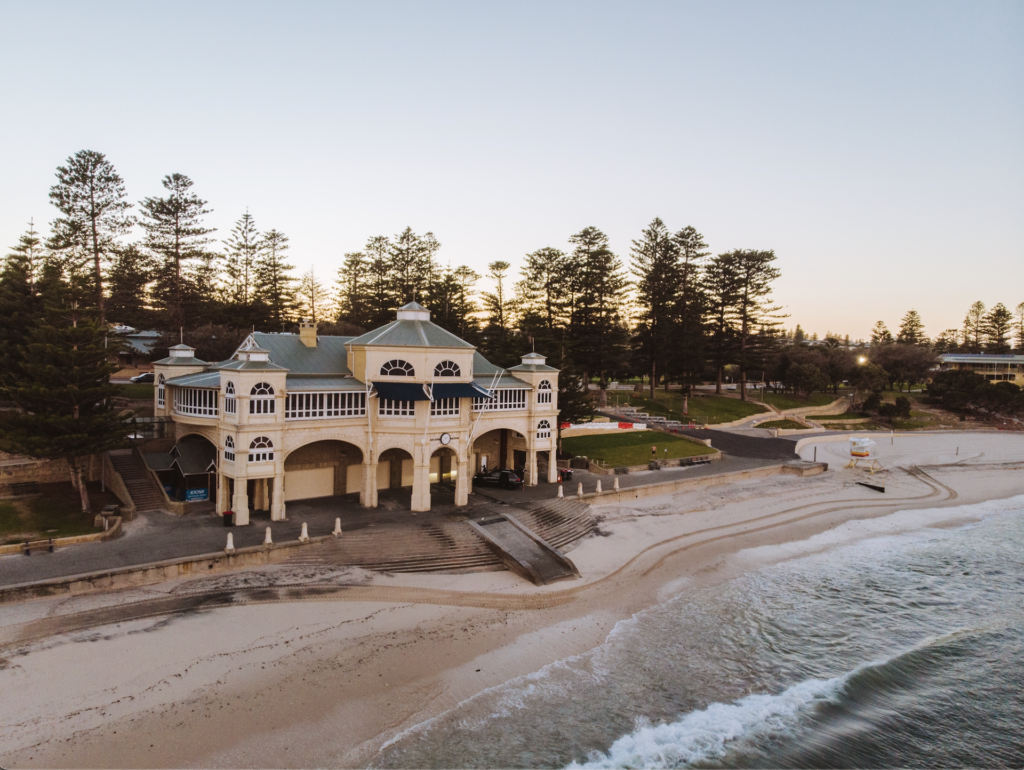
[(878, 148)]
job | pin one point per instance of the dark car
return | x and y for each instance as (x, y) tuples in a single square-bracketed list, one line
[(565, 474), (144, 377), (500, 479)]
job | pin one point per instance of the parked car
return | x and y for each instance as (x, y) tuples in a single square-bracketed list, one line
[(564, 474), (499, 478), (144, 377)]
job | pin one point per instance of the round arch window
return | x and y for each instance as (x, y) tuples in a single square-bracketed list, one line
[(396, 367)]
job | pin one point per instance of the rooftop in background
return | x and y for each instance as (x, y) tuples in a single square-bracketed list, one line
[(982, 358)]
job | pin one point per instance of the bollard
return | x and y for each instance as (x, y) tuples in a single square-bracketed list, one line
[(579, 490), (230, 547), (268, 540), (304, 535), (337, 528), (599, 486), (615, 486), (560, 492)]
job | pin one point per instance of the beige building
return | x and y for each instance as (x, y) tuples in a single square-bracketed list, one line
[(408, 405), (997, 368)]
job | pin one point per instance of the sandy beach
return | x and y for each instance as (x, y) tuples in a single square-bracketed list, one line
[(332, 679)]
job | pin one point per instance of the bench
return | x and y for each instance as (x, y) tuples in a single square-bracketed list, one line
[(25, 488), (34, 545)]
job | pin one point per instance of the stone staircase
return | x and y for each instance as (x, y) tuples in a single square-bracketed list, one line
[(143, 490), (443, 545)]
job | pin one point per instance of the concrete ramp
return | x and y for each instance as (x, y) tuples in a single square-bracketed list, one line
[(523, 551)]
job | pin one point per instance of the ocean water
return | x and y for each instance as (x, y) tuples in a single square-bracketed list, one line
[(896, 651)]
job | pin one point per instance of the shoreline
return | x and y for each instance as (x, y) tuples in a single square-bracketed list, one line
[(331, 681)]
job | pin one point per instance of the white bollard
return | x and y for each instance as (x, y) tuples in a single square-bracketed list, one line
[(599, 486), (615, 486), (268, 540), (560, 492), (304, 535), (230, 547), (337, 528), (579, 490)]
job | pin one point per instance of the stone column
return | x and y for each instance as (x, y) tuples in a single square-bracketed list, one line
[(552, 467), (241, 502), (259, 494), (223, 502), (421, 480), (531, 466), (277, 506), (463, 480), (368, 494)]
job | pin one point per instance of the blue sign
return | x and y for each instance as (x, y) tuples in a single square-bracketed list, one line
[(192, 495)]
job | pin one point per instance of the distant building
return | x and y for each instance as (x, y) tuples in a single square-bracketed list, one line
[(408, 405), (997, 368), (138, 347)]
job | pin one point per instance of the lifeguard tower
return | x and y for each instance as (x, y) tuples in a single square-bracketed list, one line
[(864, 449)]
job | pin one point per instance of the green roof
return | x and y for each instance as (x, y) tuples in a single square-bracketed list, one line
[(532, 368), (193, 457), (250, 366), (503, 381), (482, 366), (197, 380), (328, 357), (410, 334), (173, 361), (315, 383)]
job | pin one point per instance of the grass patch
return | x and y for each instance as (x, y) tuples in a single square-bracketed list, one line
[(702, 409), (789, 401), (782, 425), (136, 390), (912, 424), (54, 513), (616, 449)]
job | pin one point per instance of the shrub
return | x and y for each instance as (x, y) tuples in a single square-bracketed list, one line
[(872, 402)]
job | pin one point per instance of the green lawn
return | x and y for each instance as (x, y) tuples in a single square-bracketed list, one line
[(617, 449), (782, 425), (702, 409), (55, 513), (785, 401), (838, 417), (136, 391)]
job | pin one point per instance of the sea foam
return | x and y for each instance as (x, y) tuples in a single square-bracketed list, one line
[(705, 734)]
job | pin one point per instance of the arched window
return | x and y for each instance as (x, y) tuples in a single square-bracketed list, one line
[(397, 368), (544, 429), (229, 449), (261, 450), (261, 399), (544, 392), (161, 391), (230, 405), (447, 369)]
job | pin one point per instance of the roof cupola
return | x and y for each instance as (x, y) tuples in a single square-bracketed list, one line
[(413, 312)]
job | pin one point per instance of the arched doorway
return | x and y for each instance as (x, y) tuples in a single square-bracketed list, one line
[(328, 468), (395, 474), (501, 448), (444, 471)]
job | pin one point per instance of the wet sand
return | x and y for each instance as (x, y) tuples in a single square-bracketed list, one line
[(329, 679)]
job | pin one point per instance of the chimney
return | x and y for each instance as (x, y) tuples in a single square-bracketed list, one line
[(307, 332)]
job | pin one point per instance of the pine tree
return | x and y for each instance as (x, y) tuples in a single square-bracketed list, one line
[(721, 286), (688, 352), (497, 335), (997, 327), (353, 291), (20, 310), (411, 263), (29, 252), (313, 297), (242, 251), (911, 330), (272, 285), (90, 195), (574, 402), (451, 303), (131, 272), (1018, 324), (657, 269), (754, 314), (974, 328), (63, 397), (175, 236), (599, 337), (880, 334), (380, 299)]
